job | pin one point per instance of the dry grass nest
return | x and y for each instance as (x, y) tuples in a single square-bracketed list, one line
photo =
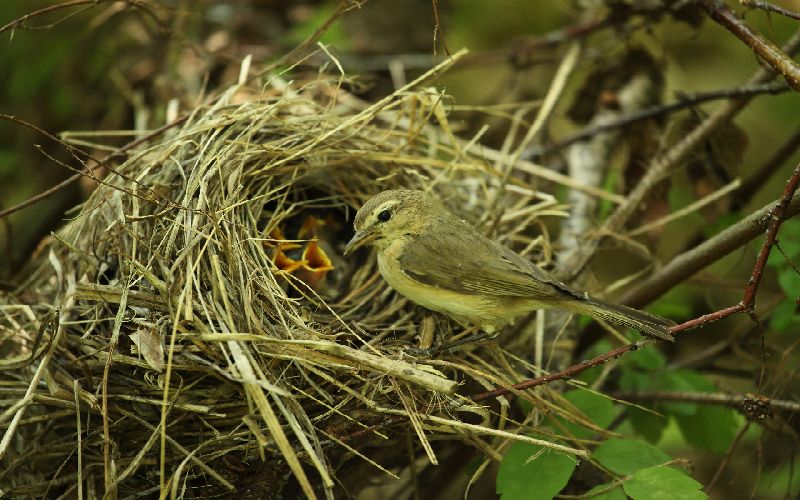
[(195, 318)]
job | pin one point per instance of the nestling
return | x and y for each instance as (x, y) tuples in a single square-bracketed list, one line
[(443, 263)]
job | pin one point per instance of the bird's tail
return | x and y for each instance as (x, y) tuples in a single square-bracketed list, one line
[(646, 323)]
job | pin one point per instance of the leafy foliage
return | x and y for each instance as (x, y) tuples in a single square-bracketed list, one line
[(704, 426), (626, 456), (599, 409), (662, 483), (531, 472), (787, 313)]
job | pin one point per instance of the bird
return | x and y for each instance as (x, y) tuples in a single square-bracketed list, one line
[(443, 263)]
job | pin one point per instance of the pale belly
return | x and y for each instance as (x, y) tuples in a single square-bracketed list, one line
[(487, 313)]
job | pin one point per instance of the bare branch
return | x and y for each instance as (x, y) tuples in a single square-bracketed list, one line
[(753, 406), (682, 103), (766, 6), (663, 166), (776, 214), (687, 264), (764, 48)]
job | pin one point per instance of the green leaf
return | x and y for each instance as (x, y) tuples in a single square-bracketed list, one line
[(533, 472), (648, 425), (636, 381), (789, 281), (790, 247), (646, 359), (599, 409), (775, 259), (612, 494), (677, 303), (783, 316), (626, 456), (662, 483), (682, 381), (711, 428), (524, 405), (677, 382), (789, 238)]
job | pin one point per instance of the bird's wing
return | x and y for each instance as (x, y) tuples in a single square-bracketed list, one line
[(465, 261)]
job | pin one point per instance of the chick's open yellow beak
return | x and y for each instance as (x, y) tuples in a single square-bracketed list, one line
[(361, 238)]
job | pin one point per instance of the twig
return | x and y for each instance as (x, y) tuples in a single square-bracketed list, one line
[(763, 173), (522, 52), (437, 28), (764, 48), (297, 53), (662, 166), (86, 172), (728, 454), (692, 261), (761, 4), (751, 405), (16, 23), (564, 374), (659, 110), (777, 214)]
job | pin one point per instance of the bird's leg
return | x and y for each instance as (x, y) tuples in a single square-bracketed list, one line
[(465, 339)]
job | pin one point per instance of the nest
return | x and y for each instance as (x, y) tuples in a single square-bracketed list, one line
[(196, 319)]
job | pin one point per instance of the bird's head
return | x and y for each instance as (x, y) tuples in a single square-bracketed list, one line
[(390, 215)]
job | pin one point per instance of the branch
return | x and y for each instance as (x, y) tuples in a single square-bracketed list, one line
[(760, 4), (76, 152), (687, 264), (661, 167), (764, 48), (762, 174), (753, 406), (776, 215), (727, 457), (17, 23), (563, 374), (682, 103), (296, 54)]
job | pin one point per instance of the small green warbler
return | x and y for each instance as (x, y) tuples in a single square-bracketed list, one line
[(443, 263)]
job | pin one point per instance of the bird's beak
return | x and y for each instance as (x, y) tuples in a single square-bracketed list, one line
[(361, 238)]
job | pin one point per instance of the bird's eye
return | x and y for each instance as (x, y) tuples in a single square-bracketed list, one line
[(384, 216)]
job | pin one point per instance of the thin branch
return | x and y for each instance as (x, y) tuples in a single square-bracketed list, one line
[(17, 23), (687, 264), (564, 374), (684, 102), (86, 172), (437, 28), (762, 174), (776, 215), (766, 6), (296, 54), (526, 49), (753, 406), (763, 47), (727, 457), (662, 166)]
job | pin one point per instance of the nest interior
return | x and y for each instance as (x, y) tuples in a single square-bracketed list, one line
[(195, 317)]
